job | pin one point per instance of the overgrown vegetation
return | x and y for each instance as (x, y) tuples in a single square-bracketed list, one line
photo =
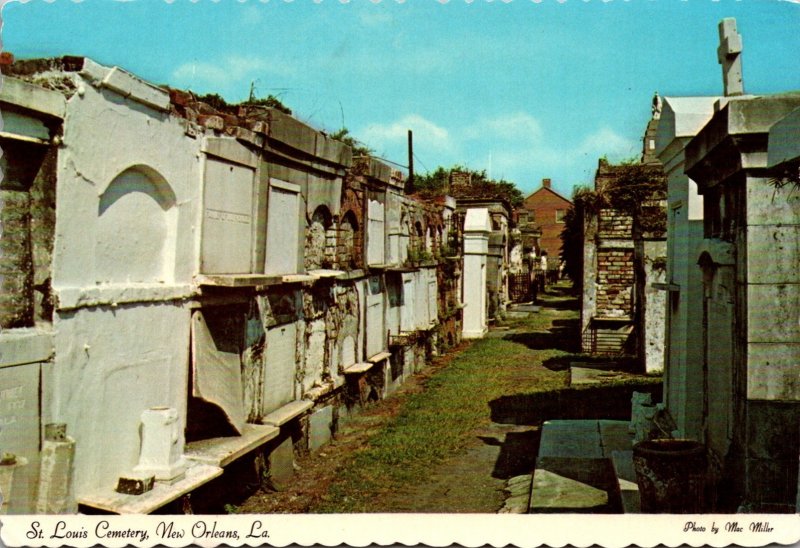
[(632, 188), (437, 182), (219, 103), (270, 101), (359, 148)]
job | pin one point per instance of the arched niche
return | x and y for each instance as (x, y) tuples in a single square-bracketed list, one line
[(349, 241), (316, 238), (136, 224)]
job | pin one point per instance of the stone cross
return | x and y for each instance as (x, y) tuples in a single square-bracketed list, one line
[(729, 55)]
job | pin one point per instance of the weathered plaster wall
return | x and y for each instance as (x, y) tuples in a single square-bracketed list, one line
[(107, 348), (477, 227), (746, 214), (174, 239), (589, 285), (108, 355), (104, 136), (655, 305)]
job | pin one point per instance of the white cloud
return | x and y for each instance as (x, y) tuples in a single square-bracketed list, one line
[(427, 134), (507, 127), (219, 75), (606, 142), (514, 146)]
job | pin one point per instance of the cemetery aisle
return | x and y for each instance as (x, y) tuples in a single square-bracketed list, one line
[(448, 440)]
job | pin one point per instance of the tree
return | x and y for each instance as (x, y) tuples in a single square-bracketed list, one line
[(432, 183), (481, 186), (584, 201)]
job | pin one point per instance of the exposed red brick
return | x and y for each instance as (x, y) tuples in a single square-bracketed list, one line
[(180, 97)]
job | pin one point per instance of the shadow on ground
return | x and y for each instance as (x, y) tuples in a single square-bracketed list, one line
[(519, 448), (617, 363), (559, 302), (517, 453), (595, 402), (561, 336)]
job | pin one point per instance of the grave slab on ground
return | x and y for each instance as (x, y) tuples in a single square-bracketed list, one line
[(575, 470)]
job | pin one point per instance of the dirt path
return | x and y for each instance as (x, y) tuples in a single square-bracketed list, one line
[(472, 478)]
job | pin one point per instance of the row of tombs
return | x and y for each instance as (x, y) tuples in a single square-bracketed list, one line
[(184, 286)]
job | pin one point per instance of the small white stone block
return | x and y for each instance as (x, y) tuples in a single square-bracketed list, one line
[(162, 444)]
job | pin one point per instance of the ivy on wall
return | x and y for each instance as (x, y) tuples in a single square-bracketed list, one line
[(635, 189)]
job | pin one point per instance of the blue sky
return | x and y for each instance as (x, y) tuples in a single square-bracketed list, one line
[(523, 89)]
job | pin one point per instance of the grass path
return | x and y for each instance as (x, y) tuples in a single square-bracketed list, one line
[(446, 440), (447, 427)]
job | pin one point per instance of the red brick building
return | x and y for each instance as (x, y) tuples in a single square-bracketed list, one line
[(549, 208)]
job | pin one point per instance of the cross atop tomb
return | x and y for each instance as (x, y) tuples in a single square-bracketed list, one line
[(729, 55)]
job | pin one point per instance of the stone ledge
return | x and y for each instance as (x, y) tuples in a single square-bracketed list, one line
[(358, 368), (162, 494), (571, 438), (317, 392), (323, 273), (352, 274), (379, 357), (23, 346), (237, 280), (284, 414), (224, 450), (68, 298), (297, 278), (552, 492)]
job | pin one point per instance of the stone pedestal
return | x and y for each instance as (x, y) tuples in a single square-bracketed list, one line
[(162, 445), (54, 495)]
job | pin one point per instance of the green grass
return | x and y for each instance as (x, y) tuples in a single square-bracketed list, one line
[(441, 420)]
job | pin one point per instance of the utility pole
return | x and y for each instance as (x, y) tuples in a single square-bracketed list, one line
[(410, 180)]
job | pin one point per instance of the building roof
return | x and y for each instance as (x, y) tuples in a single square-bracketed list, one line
[(541, 188)]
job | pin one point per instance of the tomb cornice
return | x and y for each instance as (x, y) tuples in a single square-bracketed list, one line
[(784, 146), (736, 139), (671, 156), (309, 145), (125, 84), (31, 98), (276, 152)]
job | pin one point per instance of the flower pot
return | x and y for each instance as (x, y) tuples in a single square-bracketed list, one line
[(671, 474)]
